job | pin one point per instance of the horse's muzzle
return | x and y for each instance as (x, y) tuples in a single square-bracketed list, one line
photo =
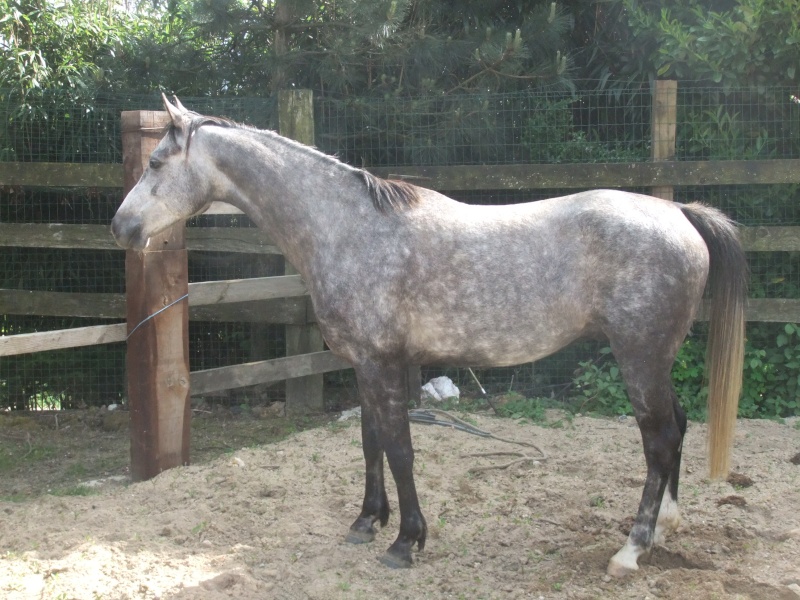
[(127, 231)]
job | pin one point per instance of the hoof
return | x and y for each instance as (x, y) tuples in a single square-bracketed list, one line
[(362, 531), (359, 537), (619, 570), (395, 562), (623, 563)]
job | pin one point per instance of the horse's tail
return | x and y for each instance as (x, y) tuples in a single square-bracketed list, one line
[(727, 283)]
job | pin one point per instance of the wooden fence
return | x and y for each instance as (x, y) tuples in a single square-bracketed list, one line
[(159, 431)]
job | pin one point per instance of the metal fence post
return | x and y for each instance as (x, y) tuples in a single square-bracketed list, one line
[(158, 351)]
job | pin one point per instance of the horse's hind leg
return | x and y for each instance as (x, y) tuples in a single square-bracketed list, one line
[(668, 515), (653, 398), (376, 504)]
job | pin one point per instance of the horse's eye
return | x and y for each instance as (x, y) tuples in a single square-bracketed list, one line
[(155, 163)]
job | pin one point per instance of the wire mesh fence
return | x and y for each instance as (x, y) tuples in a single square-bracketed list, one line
[(540, 126)]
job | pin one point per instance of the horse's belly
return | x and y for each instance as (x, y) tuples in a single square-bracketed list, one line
[(464, 345)]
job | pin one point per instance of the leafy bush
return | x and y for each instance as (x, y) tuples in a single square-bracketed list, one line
[(770, 386), (600, 384), (551, 136)]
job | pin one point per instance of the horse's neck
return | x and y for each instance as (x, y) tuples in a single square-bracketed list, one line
[(292, 192)]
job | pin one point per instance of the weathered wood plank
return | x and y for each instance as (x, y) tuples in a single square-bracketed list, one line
[(773, 310), (770, 239), (241, 290), (41, 174), (768, 310), (57, 235), (765, 310), (157, 357), (62, 304), (470, 177), (278, 369), (597, 175), (249, 240), (25, 343), (663, 127), (278, 311), (98, 237)]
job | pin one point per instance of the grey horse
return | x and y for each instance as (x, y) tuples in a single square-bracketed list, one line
[(400, 275)]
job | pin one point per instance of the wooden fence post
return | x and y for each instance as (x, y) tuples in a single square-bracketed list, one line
[(303, 394), (664, 121), (158, 350)]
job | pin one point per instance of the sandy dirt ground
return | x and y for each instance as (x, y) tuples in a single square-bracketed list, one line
[(269, 522)]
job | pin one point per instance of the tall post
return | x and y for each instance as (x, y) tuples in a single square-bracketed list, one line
[(303, 394), (664, 121), (158, 346)]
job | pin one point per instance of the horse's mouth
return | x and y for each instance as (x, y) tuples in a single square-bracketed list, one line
[(128, 233)]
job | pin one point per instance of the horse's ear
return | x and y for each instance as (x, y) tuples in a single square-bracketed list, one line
[(176, 113), (180, 106)]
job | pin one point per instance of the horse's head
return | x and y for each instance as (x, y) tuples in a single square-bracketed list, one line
[(174, 186)]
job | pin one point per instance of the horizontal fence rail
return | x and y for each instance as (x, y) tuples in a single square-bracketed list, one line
[(597, 175), (476, 177), (252, 241)]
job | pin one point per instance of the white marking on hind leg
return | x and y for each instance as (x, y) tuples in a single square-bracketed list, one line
[(625, 561), (668, 518)]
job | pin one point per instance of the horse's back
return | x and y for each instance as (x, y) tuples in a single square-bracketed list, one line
[(508, 284)]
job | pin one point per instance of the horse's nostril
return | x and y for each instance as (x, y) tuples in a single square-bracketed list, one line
[(125, 229), (115, 229)]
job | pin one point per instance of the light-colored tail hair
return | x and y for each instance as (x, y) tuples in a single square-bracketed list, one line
[(727, 285)]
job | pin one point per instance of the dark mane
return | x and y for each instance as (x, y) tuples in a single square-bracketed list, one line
[(389, 195)]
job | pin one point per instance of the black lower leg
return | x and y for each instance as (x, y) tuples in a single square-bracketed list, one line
[(375, 507), (661, 439), (680, 418), (413, 529)]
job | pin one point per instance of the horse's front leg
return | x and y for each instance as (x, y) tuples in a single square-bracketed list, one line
[(376, 504), (384, 394)]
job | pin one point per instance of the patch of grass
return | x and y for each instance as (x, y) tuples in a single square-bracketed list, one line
[(14, 498), (12, 457), (6, 461), (75, 490), (534, 410), (76, 470), (200, 528), (40, 453), (465, 404), (597, 502)]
